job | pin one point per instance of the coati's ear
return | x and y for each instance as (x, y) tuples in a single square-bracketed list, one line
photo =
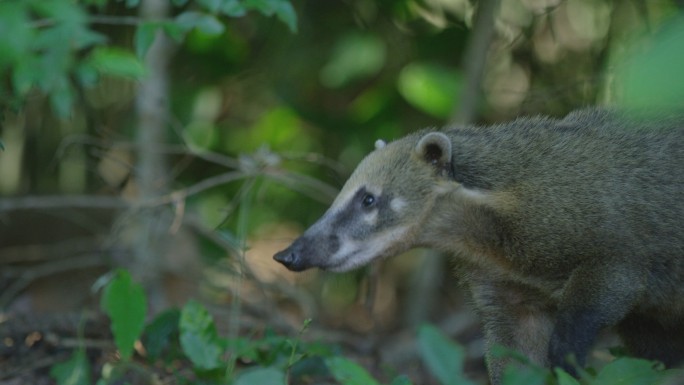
[(435, 148)]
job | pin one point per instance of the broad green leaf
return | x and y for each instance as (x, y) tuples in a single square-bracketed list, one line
[(287, 14), (70, 25), (86, 74), (25, 74), (117, 62), (261, 376), (205, 23), (62, 97), (179, 3), (356, 56), (124, 302), (347, 372), (524, 375), (430, 88), (210, 5), (74, 371), (14, 22), (630, 371), (233, 8), (441, 356), (144, 37), (174, 31), (198, 337), (159, 334), (647, 77), (564, 378)]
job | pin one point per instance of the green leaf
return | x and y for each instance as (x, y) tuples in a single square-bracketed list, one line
[(441, 356), (2, 145), (287, 14), (144, 37), (198, 337), (356, 56), (174, 31), (124, 302), (116, 62), (525, 375), (646, 77), (430, 88), (75, 371), (564, 378), (347, 372), (62, 97), (14, 21), (261, 376), (159, 334), (233, 8), (86, 74), (205, 23), (283, 9), (210, 5), (630, 371)]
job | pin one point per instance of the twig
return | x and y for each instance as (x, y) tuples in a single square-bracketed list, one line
[(170, 149), (99, 19), (47, 269), (57, 250)]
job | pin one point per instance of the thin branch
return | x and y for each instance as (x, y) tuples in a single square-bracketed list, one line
[(46, 269), (99, 19), (170, 149), (62, 201)]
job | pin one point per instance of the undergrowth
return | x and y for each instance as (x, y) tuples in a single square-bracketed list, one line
[(185, 343)]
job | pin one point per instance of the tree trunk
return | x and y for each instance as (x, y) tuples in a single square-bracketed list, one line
[(151, 171)]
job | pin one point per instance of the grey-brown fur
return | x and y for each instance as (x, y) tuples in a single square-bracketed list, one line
[(560, 227)]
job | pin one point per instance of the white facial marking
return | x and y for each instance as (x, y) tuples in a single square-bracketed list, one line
[(476, 194), (398, 204), (371, 218), (380, 144), (353, 254)]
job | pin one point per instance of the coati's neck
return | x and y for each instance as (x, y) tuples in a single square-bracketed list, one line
[(464, 222)]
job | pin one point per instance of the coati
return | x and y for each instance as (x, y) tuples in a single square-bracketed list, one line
[(561, 227)]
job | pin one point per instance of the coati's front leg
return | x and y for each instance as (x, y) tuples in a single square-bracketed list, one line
[(598, 294), (514, 316)]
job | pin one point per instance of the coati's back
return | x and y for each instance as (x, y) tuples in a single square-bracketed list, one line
[(593, 184)]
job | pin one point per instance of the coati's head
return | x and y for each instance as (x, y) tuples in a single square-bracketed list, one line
[(381, 210)]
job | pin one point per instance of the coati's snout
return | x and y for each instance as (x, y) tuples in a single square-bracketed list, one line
[(291, 259), (305, 252)]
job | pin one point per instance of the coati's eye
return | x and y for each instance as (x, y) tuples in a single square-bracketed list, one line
[(368, 200)]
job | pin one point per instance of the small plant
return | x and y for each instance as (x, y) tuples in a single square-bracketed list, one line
[(188, 337)]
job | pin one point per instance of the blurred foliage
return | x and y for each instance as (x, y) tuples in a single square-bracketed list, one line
[(647, 72), (273, 102), (272, 359)]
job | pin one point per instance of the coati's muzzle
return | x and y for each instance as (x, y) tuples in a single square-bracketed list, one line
[(291, 258), (309, 251)]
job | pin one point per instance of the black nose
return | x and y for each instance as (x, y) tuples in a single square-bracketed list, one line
[(290, 259)]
